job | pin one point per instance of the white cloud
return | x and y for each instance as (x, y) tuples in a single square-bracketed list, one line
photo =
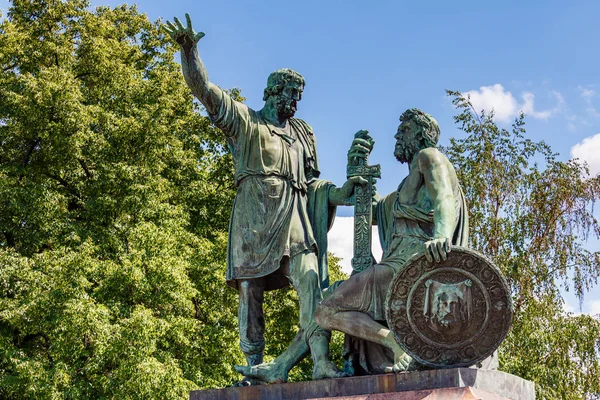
[(588, 150), (506, 107), (574, 121), (341, 238), (594, 307), (559, 98), (527, 107), (571, 122), (591, 308), (494, 97), (586, 93), (592, 112), (568, 308)]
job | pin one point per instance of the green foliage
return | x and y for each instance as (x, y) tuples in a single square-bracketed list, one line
[(114, 201), (532, 214), (115, 196)]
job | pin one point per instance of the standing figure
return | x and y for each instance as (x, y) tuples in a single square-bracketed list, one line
[(281, 215), (426, 214)]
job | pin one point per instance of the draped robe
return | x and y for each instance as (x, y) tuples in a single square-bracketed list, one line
[(281, 209)]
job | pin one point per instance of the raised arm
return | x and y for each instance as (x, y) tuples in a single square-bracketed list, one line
[(439, 178), (194, 71)]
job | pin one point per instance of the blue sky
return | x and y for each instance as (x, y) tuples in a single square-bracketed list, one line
[(367, 62)]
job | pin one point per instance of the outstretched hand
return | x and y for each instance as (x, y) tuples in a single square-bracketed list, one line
[(345, 195), (347, 189), (437, 249), (185, 36)]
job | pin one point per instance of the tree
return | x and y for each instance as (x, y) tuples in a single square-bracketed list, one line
[(115, 196), (114, 200), (532, 214)]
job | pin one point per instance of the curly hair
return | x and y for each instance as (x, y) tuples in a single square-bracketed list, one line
[(429, 128), (278, 79)]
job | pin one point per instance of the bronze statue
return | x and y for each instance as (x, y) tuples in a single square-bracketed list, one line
[(282, 212), (426, 214)]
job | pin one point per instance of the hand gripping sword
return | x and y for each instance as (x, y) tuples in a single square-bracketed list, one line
[(363, 208)]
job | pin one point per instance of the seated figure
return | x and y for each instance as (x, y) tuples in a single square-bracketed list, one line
[(427, 213)]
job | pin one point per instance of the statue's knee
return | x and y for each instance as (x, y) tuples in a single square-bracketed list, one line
[(323, 317), (308, 285)]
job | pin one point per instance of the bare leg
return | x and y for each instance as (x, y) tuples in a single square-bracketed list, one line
[(362, 326), (323, 367), (304, 277), (251, 323), (277, 370)]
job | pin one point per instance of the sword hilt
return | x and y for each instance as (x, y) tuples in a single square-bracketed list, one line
[(363, 215)]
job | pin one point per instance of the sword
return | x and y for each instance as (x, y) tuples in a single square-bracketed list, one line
[(363, 206)]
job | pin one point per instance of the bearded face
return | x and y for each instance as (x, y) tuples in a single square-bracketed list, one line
[(448, 306), (404, 151), (286, 107), (449, 309), (286, 101), (408, 142)]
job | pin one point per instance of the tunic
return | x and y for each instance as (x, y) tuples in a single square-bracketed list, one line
[(278, 198)]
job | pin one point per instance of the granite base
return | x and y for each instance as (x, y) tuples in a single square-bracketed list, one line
[(456, 383)]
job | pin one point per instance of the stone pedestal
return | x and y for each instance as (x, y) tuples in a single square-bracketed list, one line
[(457, 383)]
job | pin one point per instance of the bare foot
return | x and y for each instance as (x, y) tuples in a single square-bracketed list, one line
[(401, 362), (266, 372), (326, 369)]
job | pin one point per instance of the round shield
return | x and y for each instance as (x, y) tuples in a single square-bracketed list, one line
[(452, 313)]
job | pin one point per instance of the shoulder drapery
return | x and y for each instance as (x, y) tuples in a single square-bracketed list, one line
[(461, 232), (321, 216), (307, 138), (320, 213)]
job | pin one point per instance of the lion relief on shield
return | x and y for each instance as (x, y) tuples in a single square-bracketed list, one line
[(447, 306)]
